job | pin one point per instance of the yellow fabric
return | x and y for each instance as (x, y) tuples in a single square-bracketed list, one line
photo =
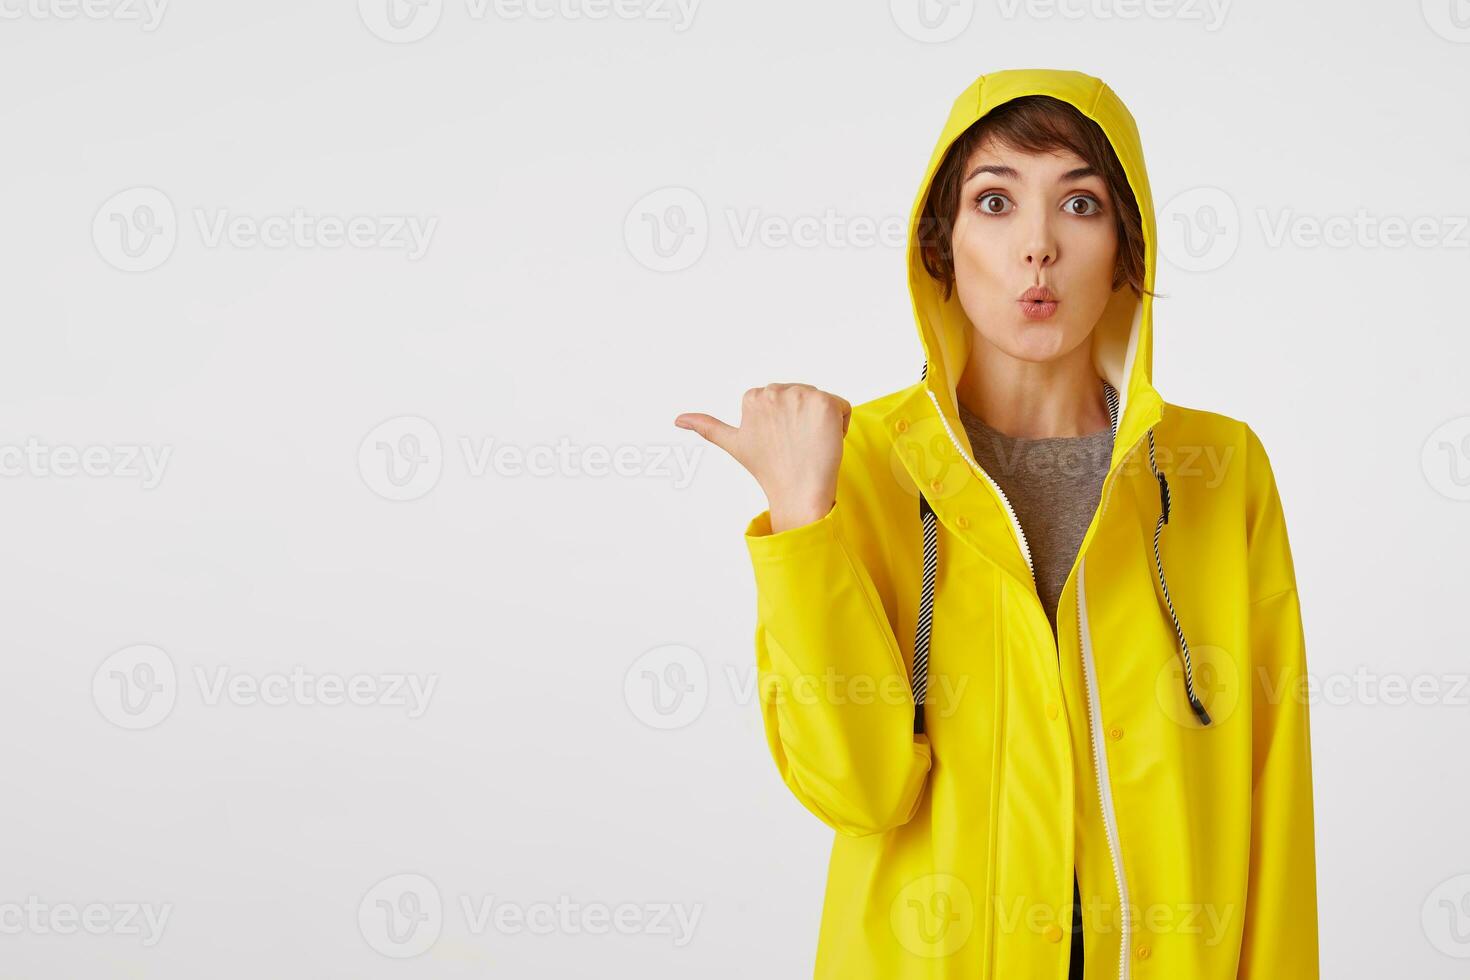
[(954, 849)]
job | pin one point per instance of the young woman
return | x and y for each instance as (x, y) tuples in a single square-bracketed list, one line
[(1028, 637)]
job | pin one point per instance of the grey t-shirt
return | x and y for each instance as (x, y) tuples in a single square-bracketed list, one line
[(1053, 486)]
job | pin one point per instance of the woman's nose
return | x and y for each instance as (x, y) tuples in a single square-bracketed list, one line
[(1040, 247), (1041, 254)]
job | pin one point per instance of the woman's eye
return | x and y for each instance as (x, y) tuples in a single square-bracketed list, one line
[(1082, 205), (993, 203)]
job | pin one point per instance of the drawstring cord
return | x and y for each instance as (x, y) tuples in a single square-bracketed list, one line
[(1164, 505), (924, 627), (926, 611), (920, 682)]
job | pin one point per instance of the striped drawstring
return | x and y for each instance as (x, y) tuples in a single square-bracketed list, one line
[(920, 681), (926, 611), (925, 625), (1164, 503)]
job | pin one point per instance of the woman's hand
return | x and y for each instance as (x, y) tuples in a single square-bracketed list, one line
[(790, 440)]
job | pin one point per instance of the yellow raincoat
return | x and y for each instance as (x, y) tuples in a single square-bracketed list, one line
[(1190, 829)]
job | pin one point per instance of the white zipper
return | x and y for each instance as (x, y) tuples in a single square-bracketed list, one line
[(1084, 637), (1100, 764), (1005, 501), (1094, 725)]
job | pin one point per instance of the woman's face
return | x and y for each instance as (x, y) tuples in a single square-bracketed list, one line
[(1029, 220)]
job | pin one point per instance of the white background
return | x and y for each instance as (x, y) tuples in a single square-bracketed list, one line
[(538, 316)]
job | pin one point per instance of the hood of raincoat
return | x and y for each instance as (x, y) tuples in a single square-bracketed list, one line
[(976, 766), (1122, 342)]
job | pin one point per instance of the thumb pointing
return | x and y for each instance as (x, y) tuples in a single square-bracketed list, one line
[(711, 428)]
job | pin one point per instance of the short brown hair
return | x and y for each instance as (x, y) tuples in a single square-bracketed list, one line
[(1032, 124)]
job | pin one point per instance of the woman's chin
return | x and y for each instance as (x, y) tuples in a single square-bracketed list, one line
[(1037, 341)]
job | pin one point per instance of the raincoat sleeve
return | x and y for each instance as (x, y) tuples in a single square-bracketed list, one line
[(834, 690), (1280, 922)]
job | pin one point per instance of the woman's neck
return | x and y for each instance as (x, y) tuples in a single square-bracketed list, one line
[(1033, 399)]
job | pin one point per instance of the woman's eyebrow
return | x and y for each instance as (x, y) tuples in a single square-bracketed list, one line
[(1001, 170)]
